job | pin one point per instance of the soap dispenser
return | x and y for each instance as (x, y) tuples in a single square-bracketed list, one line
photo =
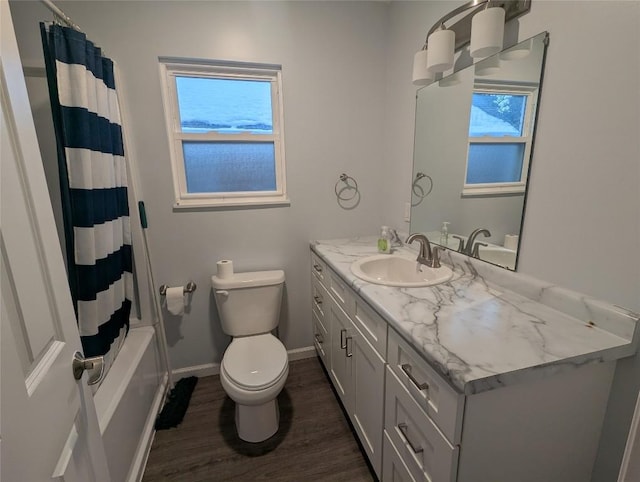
[(444, 234), (384, 241)]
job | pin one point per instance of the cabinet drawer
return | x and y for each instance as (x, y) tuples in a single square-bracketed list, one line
[(319, 299), (423, 448), (319, 269), (393, 468), (432, 393), (321, 341), (372, 326), (340, 292)]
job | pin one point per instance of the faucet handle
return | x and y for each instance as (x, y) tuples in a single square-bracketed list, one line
[(435, 258), (395, 239), (460, 242), (476, 249)]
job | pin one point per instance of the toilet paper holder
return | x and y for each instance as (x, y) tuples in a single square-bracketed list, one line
[(190, 288)]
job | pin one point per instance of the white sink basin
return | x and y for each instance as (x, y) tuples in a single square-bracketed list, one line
[(393, 270), (498, 255)]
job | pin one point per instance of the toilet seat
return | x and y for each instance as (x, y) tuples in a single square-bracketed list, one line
[(255, 362)]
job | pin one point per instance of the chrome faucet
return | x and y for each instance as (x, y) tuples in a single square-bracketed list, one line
[(426, 255), (471, 247)]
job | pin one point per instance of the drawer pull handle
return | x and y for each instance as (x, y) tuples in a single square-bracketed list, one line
[(348, 351), (317, 299), (317, 267), (318, 338), (407, 369), (343, 343), (403, 428)]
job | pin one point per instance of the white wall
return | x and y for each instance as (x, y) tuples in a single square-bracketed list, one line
[(582, 221), (332, 56)]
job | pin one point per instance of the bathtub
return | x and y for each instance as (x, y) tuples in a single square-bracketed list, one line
[(128, 401)]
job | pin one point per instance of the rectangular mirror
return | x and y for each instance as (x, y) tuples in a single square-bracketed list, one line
[(474, 135)]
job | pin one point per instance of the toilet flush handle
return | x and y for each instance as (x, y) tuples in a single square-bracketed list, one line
[(222, 292)]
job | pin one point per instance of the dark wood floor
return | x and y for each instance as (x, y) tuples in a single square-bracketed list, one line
[(314, 442)]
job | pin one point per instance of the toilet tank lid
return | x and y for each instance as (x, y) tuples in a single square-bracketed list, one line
[(248, 280)]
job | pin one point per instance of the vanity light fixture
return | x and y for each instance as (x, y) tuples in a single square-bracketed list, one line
[(483, 26), (517, 52), (450, 80), (441, 49), (421, 76), (487, 66), (487, 32)]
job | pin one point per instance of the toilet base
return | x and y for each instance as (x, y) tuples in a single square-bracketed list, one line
[(256, 423)]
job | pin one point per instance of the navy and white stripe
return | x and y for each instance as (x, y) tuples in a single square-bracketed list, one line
[(93, 179)]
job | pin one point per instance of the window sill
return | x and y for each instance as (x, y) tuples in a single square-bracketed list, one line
[(193, 204), (493, 190)]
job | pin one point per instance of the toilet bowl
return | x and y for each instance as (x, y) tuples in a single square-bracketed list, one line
[(255, 365), (253, 372)]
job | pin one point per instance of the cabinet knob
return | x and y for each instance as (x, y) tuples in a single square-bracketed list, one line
[(318, 268), (318, 338)]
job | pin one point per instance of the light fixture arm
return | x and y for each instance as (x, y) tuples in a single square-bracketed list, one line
[(462, 28)]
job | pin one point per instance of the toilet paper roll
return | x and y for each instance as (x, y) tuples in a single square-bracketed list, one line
[(225, 268), (175, 300), (511, 241)]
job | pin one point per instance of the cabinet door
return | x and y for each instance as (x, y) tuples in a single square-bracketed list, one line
[(368, 396), (341, 364)]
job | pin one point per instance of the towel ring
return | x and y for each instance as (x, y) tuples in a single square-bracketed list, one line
[(345, 179), (424, 194)]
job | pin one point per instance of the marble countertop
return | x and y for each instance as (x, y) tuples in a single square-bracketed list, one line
[(488, 327)]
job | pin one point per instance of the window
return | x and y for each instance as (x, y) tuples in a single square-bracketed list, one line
[(224, 121), (500, 126)]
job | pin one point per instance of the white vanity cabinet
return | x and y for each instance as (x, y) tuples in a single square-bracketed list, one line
[(353, 351), (520, 399)]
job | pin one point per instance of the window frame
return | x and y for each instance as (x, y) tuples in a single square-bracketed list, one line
[(172, 67), (496, 188)]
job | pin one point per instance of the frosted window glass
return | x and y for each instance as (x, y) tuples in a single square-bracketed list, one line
[(224, 106), (497, 115), (491, 163), (229, 166)]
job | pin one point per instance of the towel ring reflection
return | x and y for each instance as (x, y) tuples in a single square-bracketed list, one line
[(348, 186), (422, 194)]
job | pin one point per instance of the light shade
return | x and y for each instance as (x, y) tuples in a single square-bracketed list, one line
[(488, 66), (450, 80), (421, 76), (487, 32), (441, 46), (517, 52)]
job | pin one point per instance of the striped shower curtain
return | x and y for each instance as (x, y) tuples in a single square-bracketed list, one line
[(93, 180)]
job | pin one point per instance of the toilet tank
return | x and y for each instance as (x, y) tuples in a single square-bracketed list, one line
[(249, 303)]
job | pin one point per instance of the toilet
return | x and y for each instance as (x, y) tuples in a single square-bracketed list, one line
[(255, 365)]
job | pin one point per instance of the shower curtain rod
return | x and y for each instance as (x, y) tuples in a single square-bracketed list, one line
[(60, 14)]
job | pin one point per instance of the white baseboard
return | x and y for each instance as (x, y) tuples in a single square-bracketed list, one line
[(210, 369), (302, 353), (199, 371)]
